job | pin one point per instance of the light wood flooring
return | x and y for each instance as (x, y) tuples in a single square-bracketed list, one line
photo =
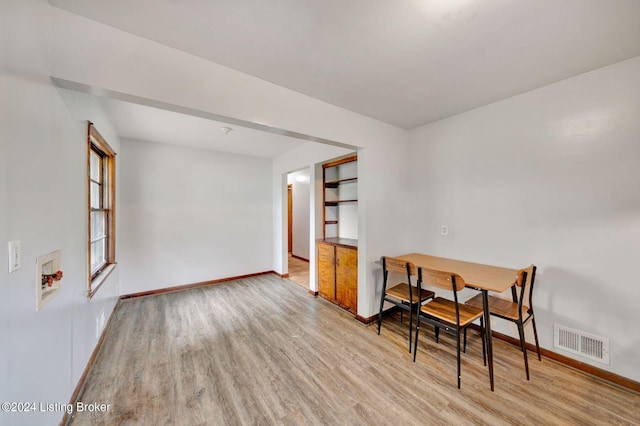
[(261, 350), (299, 271)]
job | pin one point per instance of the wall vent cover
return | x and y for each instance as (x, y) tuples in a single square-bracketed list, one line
[(581, 343)]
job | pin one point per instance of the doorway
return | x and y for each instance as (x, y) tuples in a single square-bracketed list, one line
[(299, 216), (290, 216)]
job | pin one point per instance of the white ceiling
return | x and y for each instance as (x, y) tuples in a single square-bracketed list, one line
[(404, 62), (139, 122)]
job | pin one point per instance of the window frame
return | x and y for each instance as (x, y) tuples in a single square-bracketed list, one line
[(98, 145)]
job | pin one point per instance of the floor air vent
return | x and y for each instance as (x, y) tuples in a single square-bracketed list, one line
[(581, 343)]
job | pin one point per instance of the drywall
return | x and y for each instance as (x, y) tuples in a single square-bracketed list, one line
[(548, 177), (138, 67), (43, 199), (5, 355), (90, 316), (301, 207), (190, 215)]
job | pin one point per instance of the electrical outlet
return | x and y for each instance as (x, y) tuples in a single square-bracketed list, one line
[(444, 230), (14, 255)]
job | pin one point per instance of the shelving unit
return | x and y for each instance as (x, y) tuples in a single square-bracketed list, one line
[(340, 196), (338, 249)]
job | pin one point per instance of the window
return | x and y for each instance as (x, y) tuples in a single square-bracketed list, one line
[(101, 197)]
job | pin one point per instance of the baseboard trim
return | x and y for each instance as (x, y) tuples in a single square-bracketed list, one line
[(77, 392), (367, 320), (392, 310), (194, 285), (583, 367), (313, 293), (280, 275), (300, 258)]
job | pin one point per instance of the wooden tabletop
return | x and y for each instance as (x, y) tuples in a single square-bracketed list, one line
[(484, 277)]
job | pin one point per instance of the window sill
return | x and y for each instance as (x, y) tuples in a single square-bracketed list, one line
[(99, 279)]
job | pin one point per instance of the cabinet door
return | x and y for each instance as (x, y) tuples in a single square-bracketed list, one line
[(347, 278), (326, 271)]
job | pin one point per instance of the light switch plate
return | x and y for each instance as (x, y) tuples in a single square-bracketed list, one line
[(14, 255)]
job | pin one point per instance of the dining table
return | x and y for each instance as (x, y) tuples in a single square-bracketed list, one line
[(484, 278)]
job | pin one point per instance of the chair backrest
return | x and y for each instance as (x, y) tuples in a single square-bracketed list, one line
[(397, 265), (525, 279), (445, 280), (524, 274)]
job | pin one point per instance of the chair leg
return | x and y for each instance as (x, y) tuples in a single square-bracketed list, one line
[(523, 345), (380, 313), (483, 336), (464, 346), (535, 334), (415, 342), (410, 325), (401, 316), (437, 334), (458, 352)]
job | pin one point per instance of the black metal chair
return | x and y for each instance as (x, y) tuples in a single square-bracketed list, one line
[(403, 295), (449, 315), (515, 310)]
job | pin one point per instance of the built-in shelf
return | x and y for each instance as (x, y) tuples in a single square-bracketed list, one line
[(335, 183), (340, 196), (337, 262), (335, 203)]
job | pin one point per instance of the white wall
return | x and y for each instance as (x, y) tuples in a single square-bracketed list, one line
[(89, 317), (135, 66), (5, 356), (43, 202), (301, 207), (190, 215), (549, 177), (129, 65)]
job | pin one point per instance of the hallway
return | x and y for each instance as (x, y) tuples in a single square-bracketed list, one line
[(299, 271)]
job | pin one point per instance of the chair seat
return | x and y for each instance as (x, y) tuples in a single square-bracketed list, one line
[(445, 310), (401, 291), (498, 306)]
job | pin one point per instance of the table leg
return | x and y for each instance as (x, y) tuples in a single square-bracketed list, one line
[(487, 325)]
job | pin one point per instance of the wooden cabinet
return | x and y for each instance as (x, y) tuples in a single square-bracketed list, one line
[(326, 271), (347, 278), (338, 272), (338, 250)]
